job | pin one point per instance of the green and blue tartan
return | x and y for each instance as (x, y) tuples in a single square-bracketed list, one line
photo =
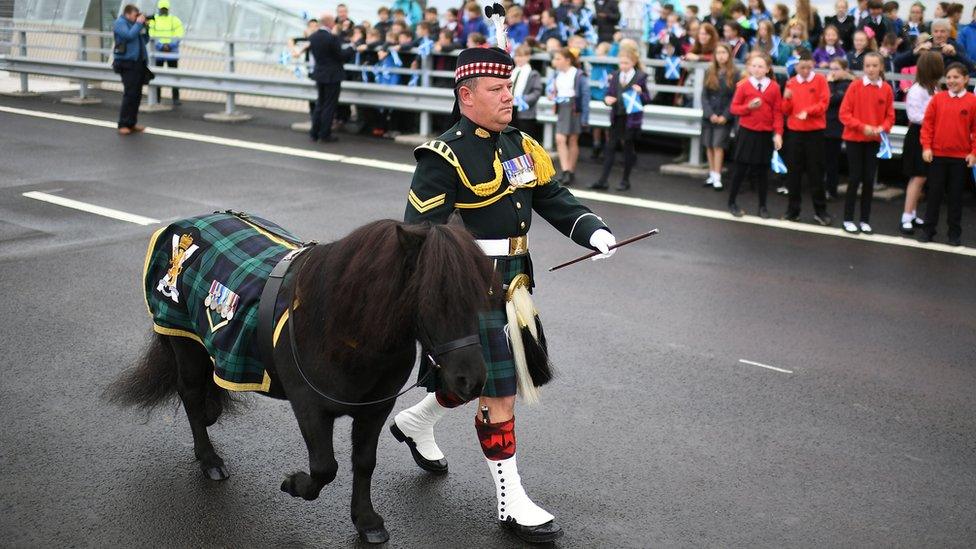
[(502, 380), (239, 252)]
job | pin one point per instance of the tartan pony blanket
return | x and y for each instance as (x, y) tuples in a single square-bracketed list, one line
[(203, 279)]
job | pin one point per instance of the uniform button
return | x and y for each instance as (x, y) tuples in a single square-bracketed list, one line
[(459, 132), (518, 204), (522, 224)]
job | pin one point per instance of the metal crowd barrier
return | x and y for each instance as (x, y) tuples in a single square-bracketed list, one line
[(682, 122)]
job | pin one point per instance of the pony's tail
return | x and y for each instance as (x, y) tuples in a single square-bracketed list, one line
[(151, 381)]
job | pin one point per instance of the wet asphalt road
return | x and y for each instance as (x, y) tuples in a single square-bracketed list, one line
[(654, 435)]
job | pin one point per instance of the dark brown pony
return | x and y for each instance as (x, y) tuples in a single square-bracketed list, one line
[(364, 302)]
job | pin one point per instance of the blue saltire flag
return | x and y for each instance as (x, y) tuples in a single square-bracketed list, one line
[(382, 72), (285, 58), (396, 58), (648, 35), (363, 70), (520, 103), (414, 80), (672, 68), (551, 86), (777, 163), (884, 151), (574, 22), (561, 100), (632, 101), (776, 42), (425, 47), (791, 64), (586, 23)]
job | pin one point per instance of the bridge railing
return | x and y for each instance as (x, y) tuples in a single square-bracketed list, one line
[(429, 93)]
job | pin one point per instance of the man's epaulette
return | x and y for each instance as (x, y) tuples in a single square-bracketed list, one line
[(443, 150)]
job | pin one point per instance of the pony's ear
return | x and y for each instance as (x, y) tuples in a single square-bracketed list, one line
[(409, 241), (455, 218)]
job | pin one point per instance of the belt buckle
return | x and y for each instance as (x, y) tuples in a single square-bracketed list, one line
[(518, 245)]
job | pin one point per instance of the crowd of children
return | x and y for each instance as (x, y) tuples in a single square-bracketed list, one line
[(799, 125)]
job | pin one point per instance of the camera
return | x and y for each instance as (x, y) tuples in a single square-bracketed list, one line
[(149, 16)]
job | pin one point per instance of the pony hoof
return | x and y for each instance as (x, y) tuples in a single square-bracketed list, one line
[(216, 473), (375, 535)]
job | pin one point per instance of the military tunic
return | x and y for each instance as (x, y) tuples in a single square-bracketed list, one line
[(463, 169)]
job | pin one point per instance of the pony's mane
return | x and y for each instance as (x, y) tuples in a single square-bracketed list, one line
[(376, 285)]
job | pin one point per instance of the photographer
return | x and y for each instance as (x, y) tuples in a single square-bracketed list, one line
[(130, 63), (166, 31), (940, 42)]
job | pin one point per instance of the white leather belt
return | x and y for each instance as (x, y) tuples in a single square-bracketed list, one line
[(501, 247)]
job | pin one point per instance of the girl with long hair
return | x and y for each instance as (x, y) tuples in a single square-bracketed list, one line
[(768, 42), (625, 126), (809, 17), (705, 44), (717, 119), (829, 48), (571, 94), (927, 76), (862, 46)]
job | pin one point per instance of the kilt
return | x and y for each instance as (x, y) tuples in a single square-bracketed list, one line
[(203, 280), (497, 351)]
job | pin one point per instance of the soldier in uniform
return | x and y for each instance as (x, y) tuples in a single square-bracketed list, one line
[(495, 176)]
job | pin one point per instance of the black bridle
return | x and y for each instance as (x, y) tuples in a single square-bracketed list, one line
[(432, 353)]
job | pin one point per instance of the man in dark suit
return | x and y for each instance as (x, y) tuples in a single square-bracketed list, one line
[(329, 55)]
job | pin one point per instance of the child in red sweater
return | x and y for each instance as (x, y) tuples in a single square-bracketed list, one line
[(757, 104), (805, 105), (949, 146), (868, 109)]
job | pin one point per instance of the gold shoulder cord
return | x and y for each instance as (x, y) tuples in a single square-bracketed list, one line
[(542, 162), (487, 188)]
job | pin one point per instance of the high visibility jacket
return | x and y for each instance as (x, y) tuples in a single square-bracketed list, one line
[(166, 29)]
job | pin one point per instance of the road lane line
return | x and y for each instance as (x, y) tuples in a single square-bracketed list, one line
[(776, 223), (767, 366), (91, 208), (644, 203)]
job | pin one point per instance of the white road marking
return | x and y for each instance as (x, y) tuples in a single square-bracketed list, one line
[(776, 223), (91, 208), (588, 195), (767, 366)]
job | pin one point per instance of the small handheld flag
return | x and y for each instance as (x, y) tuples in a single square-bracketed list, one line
[(672, 68), (632, 101), (884, 151), (777, 163), (520, 103)]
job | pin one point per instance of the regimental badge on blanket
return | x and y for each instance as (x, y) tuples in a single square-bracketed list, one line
[(519, 170), (183, 249), (222, 300)]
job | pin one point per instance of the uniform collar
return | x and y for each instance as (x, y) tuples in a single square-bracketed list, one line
[(867, 82), (467, 127), (957, 95), (756, 81), (810, 78)]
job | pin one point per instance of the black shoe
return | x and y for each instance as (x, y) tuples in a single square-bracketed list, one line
[(763, 212), (624, 185), (906, 229), (955, 241), (329, 139), (544, 533), (568, 179), (177, 102), (823, 218), (596, 153), (438, 467), (736, 210), (925, 237), (599, 186), (791, 216)]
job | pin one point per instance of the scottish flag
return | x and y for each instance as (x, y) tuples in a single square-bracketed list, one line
[(520, 103), (632, 101), (791, 64), (551, 87), (884, 151), (672, 68), (425, 47), (777, 163), (363, 71), (414, 80)]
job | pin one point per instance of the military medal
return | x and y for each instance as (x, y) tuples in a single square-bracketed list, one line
[(520, 170), (221, 300)]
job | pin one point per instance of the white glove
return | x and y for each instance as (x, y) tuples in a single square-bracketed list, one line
[(601, 239)]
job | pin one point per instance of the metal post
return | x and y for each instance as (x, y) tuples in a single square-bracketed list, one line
[(24, 89), (230, 113), (694, 145), (83, 97), (425, 66), (229, 107)]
